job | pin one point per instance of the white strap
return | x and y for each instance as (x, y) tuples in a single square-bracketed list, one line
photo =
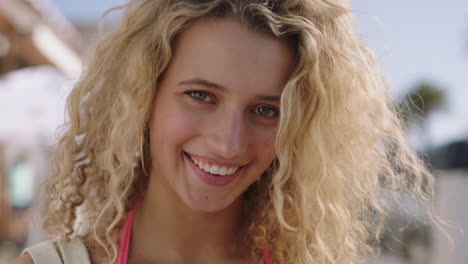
[(47, 252), (74, 252), (44, 252)]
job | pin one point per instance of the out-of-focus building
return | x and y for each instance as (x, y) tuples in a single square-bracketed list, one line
[(411, 241), (450, 163), (33, 32), (41, 52)]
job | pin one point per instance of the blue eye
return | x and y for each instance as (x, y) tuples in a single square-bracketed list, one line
[(201, 96), (266, 111)]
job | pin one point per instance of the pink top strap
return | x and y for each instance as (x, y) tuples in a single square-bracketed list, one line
[(127, 235), (267, 257)]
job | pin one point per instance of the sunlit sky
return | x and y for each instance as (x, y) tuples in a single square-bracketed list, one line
[(414, 40)]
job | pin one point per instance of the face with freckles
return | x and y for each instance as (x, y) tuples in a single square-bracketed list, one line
[(214, 119)]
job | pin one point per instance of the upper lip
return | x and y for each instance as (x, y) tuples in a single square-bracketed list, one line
[(211, 161)]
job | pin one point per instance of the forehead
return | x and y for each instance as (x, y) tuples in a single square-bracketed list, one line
[(228, 53)]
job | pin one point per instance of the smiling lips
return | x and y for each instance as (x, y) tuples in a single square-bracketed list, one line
[(215, 169)]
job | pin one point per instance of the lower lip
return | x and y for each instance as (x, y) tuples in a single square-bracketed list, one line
[(209, 178)]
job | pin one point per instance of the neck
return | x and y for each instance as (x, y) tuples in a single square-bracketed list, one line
[(166, 230)]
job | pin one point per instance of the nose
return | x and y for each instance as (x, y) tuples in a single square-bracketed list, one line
[(227, 138)]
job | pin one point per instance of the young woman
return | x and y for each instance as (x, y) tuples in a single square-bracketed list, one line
[(228, 131)]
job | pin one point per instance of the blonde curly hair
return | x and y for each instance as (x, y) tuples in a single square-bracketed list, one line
[(340, 144)]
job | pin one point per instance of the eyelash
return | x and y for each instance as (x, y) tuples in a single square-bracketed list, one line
[(191, 94), (206, 94), (273, 110)]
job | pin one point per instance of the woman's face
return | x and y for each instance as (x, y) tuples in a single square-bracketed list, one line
[(215, 116)]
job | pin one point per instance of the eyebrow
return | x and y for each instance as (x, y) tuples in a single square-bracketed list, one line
[(206, 83)]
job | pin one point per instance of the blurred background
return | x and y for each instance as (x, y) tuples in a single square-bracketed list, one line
[(422, 46)]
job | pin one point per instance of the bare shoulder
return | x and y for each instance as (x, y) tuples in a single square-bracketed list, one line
[(23, 259)]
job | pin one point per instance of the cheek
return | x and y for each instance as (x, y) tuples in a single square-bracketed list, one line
[(171, 125), (264, 145), (269, 152)]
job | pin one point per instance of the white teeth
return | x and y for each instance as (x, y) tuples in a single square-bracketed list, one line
[(215, 169), (223, 171)]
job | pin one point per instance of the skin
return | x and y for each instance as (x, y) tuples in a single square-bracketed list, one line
[(180, 215), (24, 259), (233, 124)]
